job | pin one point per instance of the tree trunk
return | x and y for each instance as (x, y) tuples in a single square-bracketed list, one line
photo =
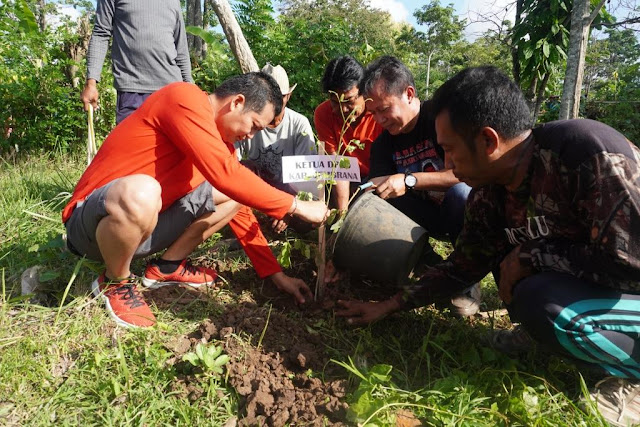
[(426, 95), (233, 32), (205, 23), (578, 35), (42, 22), (539, 98), (77, 49), (194, 18), (515, 51)]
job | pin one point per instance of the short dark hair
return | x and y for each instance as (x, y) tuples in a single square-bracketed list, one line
[(483, 96), (341, 74), (258, 88), (390, 70)]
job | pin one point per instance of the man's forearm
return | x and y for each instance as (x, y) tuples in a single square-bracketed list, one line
[(342, 194), (100, 37), (435, 181)]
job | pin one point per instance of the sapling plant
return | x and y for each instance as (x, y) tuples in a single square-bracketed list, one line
[(209, 358), (326, 181)]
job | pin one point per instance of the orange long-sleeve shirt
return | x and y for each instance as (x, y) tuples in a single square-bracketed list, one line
[(173, 138), (329, 127)]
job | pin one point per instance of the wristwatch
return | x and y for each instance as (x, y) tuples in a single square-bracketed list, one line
[(410, 180)]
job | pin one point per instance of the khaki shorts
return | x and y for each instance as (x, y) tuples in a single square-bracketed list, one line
[(172, 222)]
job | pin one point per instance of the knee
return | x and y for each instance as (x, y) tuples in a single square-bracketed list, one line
[(458, 194), (137, 196)]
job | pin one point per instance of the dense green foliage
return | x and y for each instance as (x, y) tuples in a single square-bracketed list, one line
[(41, 107), (43, 111)]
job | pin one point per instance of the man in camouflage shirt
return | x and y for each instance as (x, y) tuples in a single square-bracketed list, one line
[(555, 214)]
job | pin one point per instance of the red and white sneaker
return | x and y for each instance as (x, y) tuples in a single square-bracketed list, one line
[(186, 274), (123, 301)]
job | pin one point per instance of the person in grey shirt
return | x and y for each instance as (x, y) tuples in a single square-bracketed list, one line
[(289, 134), (149, 50)]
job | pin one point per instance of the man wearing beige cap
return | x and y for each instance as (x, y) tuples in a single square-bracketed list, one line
[(289, 134)]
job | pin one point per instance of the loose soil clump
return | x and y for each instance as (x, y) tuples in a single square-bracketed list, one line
[(274, 360)]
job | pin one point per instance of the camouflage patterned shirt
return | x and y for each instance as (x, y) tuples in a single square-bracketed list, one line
[(577, 212)]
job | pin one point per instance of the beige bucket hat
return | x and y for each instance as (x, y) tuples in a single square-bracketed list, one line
[(280, 76)]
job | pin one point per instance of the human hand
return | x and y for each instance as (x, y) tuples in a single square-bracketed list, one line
[(511, 272), (331, 273), (279, 225), (315, 212), (363, 312), (390, 187), (293, 286), (89, 95)]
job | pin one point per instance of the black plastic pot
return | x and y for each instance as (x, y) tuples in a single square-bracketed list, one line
[(378, 241)]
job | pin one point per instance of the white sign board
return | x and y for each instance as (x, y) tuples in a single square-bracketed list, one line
[(320, 168)]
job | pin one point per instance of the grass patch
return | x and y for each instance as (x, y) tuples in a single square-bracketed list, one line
[(65, 362)]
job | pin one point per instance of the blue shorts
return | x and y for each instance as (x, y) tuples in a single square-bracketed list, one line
[(172, 222)]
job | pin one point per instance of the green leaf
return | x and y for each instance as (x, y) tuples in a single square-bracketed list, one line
[(200, 351), (191, 358), (335, 227), (207, 37), (27, 20), (332, 216), (380, 373), (209, 360), (48, 276), (215, 351), (563, 6), (284, 258), (222, 360), (345, 163), (545, 49)]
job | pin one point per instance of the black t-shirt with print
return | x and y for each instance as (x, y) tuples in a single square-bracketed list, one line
[(415, 151)]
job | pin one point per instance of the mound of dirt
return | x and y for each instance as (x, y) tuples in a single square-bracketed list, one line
[(273, 362), (274, 395)]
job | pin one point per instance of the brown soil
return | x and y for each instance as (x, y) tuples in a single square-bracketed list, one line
[(275, 379), (277, 356)]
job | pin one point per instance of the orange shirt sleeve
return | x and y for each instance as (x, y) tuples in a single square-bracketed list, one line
[(245, 226)]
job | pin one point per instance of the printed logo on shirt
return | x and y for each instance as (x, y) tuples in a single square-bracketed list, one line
[(536, 227), (421, 157), (269, 162)]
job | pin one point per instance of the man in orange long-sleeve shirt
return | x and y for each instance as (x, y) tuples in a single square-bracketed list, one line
[(167, 178), (343, 118)]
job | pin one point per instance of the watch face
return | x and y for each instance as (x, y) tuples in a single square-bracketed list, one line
[(410, 181)]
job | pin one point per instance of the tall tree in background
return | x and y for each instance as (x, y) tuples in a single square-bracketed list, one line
[(195, 19), (581, 19), (443, 28), (539, 41)]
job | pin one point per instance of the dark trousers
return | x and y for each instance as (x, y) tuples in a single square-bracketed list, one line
[(127, 103), (592, 323), (441, 221)]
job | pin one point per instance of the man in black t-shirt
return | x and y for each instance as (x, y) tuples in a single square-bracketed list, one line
[(407, 164)]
